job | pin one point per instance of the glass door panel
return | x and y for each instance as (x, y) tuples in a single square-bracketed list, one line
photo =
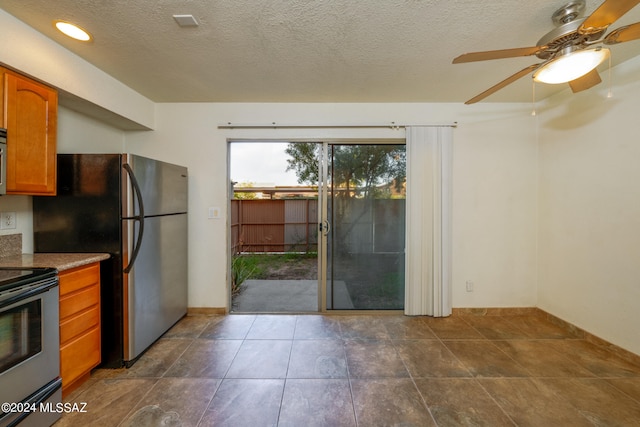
[(365, 226)]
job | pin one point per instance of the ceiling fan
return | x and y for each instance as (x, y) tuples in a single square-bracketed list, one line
[(567, 50)]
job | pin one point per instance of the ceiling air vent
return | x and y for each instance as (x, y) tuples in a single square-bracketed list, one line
[(186, 20)]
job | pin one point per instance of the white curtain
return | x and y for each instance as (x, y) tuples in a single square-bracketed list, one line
[(428, 221)]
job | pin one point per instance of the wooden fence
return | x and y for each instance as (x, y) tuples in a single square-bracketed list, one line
[(274, 225), (285, 225)]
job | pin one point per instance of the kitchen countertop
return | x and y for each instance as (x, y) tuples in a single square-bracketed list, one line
[(61, 261)]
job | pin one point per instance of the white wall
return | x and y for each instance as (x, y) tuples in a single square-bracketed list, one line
[(78, 133), (495, 181), (589, 251), (495, 211), (85, 86)]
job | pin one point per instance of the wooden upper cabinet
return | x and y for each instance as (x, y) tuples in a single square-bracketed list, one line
[(30, 115)]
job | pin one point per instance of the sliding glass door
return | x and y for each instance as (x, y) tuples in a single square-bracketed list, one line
[(362, 226)]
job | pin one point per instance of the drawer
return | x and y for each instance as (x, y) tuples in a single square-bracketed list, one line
[(78, 278), (79, 323), (79, 356), (74, 303)]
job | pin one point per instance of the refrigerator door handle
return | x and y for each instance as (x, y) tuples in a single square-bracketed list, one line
[(139, 217)]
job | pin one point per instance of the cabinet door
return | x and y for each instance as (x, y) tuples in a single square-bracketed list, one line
[(30, 116), (80, 327)]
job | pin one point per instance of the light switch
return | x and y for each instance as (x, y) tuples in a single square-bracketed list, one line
[(214, 212)]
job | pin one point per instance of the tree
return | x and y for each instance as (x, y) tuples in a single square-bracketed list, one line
[(244, 195), (304, 157), (358, 175), (359, 170)]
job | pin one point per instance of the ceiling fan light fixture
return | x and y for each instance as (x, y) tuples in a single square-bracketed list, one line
[(73, 31), (570, 66)]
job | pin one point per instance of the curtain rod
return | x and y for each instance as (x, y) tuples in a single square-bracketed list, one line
[(274, 125)]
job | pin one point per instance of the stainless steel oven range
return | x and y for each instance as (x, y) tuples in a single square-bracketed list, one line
[(30, 385)]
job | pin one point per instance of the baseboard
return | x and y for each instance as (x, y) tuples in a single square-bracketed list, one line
[(205, 311), (494, 311), (576, 331), (618, 351)]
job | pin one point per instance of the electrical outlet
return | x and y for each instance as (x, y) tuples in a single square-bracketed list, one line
[(8, 220), (469, 286)]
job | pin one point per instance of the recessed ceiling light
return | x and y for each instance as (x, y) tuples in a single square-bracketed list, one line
[(72, 31)]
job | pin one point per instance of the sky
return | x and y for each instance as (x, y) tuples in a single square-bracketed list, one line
[(261, 163)]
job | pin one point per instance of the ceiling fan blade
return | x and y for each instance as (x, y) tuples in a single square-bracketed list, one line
[(606, 14), (585, 82), (623, 34), (499, 54), (504, 83)]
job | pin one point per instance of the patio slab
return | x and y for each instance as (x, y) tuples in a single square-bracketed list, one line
[(275, 296)]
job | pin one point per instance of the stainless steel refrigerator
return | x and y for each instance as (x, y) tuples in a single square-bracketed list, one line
[(134, 208)]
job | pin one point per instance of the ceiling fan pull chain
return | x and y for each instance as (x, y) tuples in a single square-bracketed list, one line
[(610, 94)]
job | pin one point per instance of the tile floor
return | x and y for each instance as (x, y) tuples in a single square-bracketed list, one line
[(314, 370)]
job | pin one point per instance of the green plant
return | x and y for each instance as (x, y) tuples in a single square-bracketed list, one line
[(389, 285), (242, 268)]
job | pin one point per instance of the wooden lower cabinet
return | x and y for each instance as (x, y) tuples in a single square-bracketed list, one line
[(79, 324)]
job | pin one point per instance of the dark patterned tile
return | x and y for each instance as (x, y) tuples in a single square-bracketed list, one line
[(408, 327), (389, 402), (538, 327), (272, 327), (317, 327), (191, 326), (495, 327), (364, 370), (429, 358), (317, 402), (484, 359), (261, 359), (597, 400), (153, 415), (598, 360), (530, 403), (452, 328), (539, 358), (158, 358), (374, 359), (108, 401), (232, 327), (363, 327), (205, 359), (173, 402), (317, 359), (245, 402), (630, 386), (457, 402), (108, 374)]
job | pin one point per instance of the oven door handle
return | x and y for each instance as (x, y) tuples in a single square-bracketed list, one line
[(27, 292), (35, 400)]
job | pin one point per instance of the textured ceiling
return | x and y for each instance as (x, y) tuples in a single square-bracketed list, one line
[(308, 50)]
